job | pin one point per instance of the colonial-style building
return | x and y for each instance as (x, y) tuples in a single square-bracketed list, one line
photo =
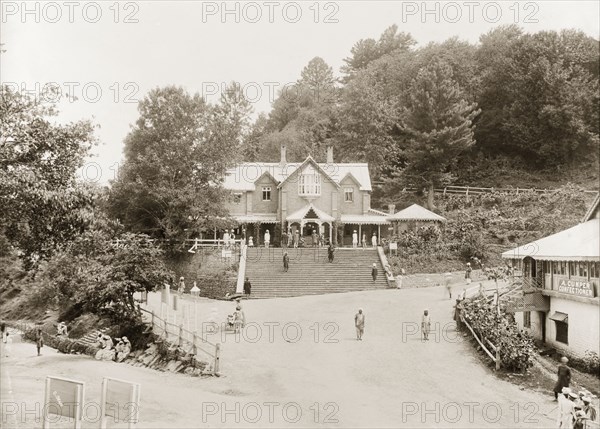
[(561, 277), (332, 199)]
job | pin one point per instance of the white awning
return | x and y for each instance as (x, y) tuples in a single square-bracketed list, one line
[(364, 219), (254, 218)]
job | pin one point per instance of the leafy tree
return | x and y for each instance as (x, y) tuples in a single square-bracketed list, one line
[(365, 51), (436, 129), (175, 160), (43, 205), (97, 275), (539, 96)]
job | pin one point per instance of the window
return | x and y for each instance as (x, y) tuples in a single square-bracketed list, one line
[(562, 332), (573, 269), (237, 198), (309, 182), (266, 193), (349, 195), (583, 269), (527, 319), (594, 269)]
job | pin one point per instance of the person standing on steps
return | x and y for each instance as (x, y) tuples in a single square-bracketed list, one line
[(354, 239), (364, 241), (286, 262), (374, 272), (296, 238), (330, 251), (247, 287), (359, 322), (267, 238), (284, 240), (374, 240)]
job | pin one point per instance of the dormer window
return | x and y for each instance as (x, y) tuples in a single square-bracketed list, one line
[(309, 182)]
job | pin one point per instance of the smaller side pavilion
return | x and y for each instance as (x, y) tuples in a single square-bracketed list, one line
[(414, 217)]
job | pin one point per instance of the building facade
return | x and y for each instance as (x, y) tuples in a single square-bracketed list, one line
[(331, 199), (560, 304)]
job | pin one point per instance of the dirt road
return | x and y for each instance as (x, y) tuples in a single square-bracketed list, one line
[(298, 364)]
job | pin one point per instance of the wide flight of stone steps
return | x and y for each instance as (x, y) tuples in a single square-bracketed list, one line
[(310, 273)]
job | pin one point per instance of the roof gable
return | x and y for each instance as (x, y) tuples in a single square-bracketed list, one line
[(309, 161), (350, 176)]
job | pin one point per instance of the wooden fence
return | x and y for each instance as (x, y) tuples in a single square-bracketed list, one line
[(189, 341), (475, 190)]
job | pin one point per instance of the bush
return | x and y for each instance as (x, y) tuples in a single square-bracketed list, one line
[(516, 347)]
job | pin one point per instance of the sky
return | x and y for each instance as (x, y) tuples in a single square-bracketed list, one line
[(107, 55)]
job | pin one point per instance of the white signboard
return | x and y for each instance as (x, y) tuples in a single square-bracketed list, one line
[(120, 401), (63, 398)]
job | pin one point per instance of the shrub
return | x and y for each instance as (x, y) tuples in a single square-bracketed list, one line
[(516, 347)]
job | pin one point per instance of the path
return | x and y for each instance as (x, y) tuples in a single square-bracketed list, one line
[(391, 379)]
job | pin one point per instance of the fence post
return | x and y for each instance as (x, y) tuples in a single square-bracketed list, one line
[(152, 319), (517, 189), (467, 194), (497, 358), (444, 191), (217, 357), (166, 331), (180, 335), (194, 351)]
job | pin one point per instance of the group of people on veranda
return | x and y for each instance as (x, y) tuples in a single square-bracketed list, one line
[(364, 243)]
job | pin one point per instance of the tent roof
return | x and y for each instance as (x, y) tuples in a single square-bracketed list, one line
[(416, 212), (579, 243)]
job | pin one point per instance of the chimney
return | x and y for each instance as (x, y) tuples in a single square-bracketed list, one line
[(329, 154), (392, 208), (282, 161)]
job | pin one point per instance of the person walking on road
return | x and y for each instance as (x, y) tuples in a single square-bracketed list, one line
[(39, 341), (447, 280), (564, 377), (286, 262), (374, 272), (426, 325), (359, 322), (468, 273)]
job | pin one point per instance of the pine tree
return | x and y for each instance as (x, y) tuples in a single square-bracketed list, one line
[(437, 128)]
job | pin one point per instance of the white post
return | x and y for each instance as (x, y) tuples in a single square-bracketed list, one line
[(360, 235), (378, 234)]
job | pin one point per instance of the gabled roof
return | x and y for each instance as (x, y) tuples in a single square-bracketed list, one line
[(416, 212), (309, 160), (579, 243), (243, 176), (591, 213), (298, 215)]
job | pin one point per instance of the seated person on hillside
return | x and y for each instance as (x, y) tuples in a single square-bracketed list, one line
[(107, 352), (123, 349), (61, 329)]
